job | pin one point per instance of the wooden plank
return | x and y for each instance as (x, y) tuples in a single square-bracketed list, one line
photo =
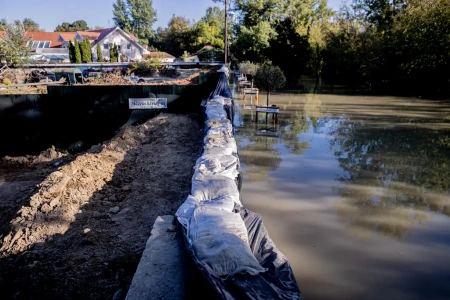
[(265, 109)]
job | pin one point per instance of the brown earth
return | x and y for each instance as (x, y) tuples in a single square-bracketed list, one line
[(77, 230)]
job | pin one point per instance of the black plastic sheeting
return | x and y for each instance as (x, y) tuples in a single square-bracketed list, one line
[(276, 283)]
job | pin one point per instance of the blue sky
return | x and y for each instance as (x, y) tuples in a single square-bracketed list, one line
[(49, 13)]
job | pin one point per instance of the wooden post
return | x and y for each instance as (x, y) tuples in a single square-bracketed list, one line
[(226, 32)]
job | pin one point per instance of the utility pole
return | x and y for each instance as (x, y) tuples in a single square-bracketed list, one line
[(226, 32)]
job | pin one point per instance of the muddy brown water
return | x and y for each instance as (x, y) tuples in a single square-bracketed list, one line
[(355, 191)]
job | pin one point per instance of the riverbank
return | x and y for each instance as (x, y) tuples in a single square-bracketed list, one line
[(85, 223)]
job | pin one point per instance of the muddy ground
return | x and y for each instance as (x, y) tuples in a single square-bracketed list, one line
[(77, 230)]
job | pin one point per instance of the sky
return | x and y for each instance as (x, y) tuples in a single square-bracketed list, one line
[(50, 13)]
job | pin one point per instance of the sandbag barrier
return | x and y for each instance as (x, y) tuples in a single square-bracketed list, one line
[(230, 254)]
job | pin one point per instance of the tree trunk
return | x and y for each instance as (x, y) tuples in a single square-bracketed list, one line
[(268, 96)]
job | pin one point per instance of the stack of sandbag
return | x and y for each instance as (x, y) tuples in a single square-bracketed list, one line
[(215, 230)]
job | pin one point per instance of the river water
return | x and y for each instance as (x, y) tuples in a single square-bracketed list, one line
[(355, 191)]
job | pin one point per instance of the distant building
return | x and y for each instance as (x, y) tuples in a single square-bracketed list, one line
[(162, 56), (41, 43)]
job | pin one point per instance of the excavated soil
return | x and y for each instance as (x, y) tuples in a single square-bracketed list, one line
[(74, 227)]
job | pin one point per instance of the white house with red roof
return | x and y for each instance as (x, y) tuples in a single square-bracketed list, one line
[(53, 46)]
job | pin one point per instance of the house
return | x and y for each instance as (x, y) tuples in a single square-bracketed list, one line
[(162, 56), (128, 45)]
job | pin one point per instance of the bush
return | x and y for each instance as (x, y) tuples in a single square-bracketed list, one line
[(143, 68)]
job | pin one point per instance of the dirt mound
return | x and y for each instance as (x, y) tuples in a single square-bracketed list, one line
[(45, 156), (83, 228)]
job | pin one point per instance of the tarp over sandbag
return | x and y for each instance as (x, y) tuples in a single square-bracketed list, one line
[(277, 282), (231, 255)]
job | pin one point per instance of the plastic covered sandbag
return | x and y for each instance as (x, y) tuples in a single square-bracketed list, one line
[(225, 130), (206, 188), (218, 151), (186, 210), (224, 165), (216, 113), (218, 141), (219, 239)]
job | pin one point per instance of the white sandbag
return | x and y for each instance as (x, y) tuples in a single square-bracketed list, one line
[(220, 241), (186, 210), (217, 100), (216, 187), (226, 131), (216, 113), (218, 151), (218, 123), (226, 204), (224, 165), (213, 141)]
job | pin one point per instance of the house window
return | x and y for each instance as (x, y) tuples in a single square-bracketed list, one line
[(129, 46), (106, 46), (34, 45), (119, 48), (47, 44)]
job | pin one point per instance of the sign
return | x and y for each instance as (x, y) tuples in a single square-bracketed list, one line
[(147, 103), (273, 110)]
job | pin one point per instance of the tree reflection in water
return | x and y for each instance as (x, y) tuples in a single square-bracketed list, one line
[(261, 153), (397, 173)]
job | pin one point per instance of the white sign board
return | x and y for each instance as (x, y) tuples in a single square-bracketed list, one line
[(147, 103), (267, 110)]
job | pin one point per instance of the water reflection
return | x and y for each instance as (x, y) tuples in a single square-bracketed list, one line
[(356, 193)]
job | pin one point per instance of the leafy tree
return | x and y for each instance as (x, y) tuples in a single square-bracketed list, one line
[(99, 54), (122, 15), (79, 25), (13, 44), (77, 52), (136, 17), (113, 54), (210, 29), (3, 23), (248, 68), (177, 37), (30, 25), (72, 52), (269, 78), (87, 51)]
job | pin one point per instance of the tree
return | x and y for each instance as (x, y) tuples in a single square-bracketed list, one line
[(77, 52), (210, 29), (79, 25), (3, 23), (136, 17), (269, 78), (113, 54), (177, 37), (248, 68), (13, 44), (86, 53), (72, 52), (122, 15), (99, 54), (30, 25)]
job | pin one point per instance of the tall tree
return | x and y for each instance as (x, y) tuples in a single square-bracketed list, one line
[(122, 15), (99, 54), (77, 52), (79, 25), (177, 37), (86, 54), (13, 44), (136, 17), (30, 25), (210, 29), (72, 52)]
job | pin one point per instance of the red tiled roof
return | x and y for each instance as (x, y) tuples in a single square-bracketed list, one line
[(45, 36), (68, 36), (158, 54)]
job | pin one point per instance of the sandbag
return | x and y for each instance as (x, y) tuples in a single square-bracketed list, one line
[(220, 241), (213, 141), (214, 188), (224, 165)]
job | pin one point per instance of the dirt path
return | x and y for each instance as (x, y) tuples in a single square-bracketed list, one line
[(77, 231)]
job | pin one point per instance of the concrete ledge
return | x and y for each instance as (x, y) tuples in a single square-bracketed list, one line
[(159, 274)]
